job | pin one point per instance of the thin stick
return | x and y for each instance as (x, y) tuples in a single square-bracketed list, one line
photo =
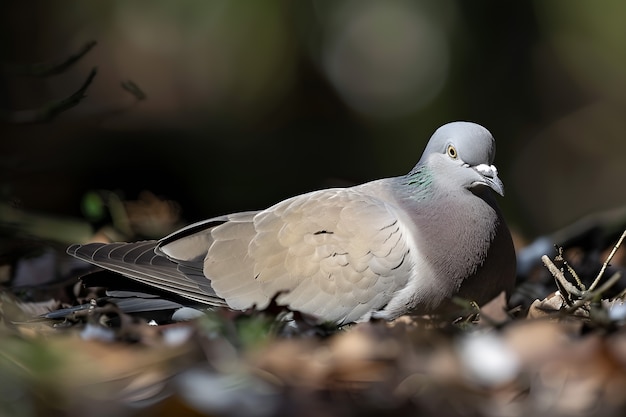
[(608, 284), (561, 258), (606, 263), (558, 275), (575, 275), (591, 295)]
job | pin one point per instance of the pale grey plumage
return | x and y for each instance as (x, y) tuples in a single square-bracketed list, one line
[(381, 249)]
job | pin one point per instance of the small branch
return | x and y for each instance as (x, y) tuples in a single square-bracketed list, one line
[(571, 270), (133, 89), (558, 275), (46, 69), (52, 110), (583, 296), (608, 260), (611, 281)]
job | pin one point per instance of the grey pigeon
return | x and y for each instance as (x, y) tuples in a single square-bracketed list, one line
[(394, 246)]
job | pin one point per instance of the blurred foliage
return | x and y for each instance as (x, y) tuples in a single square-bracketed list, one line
[(243, 104), (591, 41)]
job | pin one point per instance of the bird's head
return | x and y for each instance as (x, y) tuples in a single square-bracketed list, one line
[(463, 153)]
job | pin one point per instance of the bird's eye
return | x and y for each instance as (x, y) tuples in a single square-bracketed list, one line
[(452, 152)]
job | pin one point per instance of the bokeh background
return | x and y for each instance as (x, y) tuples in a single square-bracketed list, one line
[(251, 102)]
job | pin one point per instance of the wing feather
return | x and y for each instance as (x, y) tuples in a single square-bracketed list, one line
[(336, 253), (138, 261)]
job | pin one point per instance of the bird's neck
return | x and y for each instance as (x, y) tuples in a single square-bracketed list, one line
[(417, 185), (456, 226)]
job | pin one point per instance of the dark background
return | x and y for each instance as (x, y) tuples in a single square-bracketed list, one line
[(252, 102)]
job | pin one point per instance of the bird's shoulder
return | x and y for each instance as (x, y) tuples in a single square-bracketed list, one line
[(370, 205)]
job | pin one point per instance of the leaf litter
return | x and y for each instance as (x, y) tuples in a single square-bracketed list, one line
[(561, 353)]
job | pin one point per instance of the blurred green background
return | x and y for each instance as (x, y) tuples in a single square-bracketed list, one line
[(251, 102)]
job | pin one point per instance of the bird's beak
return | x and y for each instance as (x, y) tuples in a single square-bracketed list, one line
[(489, 174)]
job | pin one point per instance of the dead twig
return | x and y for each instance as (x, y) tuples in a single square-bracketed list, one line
[(50, 111), (577, 296), (608, 260), (45, 69), (133, 89)]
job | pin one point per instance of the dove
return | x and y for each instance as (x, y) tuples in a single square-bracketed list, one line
[(394, 246)]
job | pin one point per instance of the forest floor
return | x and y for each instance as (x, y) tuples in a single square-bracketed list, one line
[(547, 352)]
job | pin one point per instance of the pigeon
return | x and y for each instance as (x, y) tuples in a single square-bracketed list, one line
[(379, 250)]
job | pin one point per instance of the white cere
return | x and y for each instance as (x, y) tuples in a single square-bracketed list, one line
[(487, 170)]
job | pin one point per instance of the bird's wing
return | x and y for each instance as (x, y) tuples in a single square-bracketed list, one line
[(338, 254), (139, 261)]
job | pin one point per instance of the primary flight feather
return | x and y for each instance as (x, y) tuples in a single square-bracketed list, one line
[(394, 246)]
